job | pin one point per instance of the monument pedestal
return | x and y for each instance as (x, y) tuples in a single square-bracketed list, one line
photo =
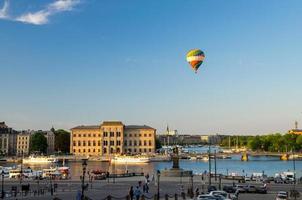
[(175, 171)]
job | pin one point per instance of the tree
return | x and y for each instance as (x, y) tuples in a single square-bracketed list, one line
[(38, 143), (157, 143), (62, 140)]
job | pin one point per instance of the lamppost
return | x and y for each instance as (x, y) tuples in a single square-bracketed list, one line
[(2, 186), (158, 177), (209, 154), (84, 165)]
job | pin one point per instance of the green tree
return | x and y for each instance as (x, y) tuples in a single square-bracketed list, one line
[(62, 140), (299, 142), (158, 144), (38, 143)]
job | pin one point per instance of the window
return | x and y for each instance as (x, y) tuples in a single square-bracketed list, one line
[(94, 135), (74, 143), (140, 150), (88, 150), (111, 150), (118, 150), (118, 143), (145, 142), (130, 143), (118, 134), (139, 135), (150, 143), (134, 135), (105, 134), (94, 143), (135, 143), (99, 150), (79, 135), (149, 150), (145, 135), (74, 151), (89, 143), (125, 135), (89, 135), (84, 135), (129, 150), (74, 135), (134, 150), (145, 150), (150, 135), (105, 143), (130, 135), (111, 134), (99, 143), (99, 135), (84, 150), (84, 143), (79, 143), (112, 143), (139, 143), (93, 150), (125, 142), (79, 150)]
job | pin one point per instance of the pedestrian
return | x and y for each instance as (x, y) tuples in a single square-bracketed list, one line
[(147, 188), (137, 193), (144, 188), (197, 192), (131, 193)]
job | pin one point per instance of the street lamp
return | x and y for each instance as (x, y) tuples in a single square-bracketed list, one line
[(158, 177), (84, 165), (2, 186)]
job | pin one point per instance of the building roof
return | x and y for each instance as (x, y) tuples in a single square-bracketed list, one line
[(3, 125), (112, 123), (86, 127), (138, 127)]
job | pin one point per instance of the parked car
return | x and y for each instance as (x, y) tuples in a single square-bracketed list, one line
[(250, 189), (206, 197), (211, 188), (281, 197), (229, 189), (261, 190), (240, 188)]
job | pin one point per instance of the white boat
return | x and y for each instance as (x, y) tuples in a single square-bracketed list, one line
[(130, 160), (160, 158), (39, 160)]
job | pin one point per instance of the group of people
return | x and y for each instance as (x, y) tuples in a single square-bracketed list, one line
[(140, 189)]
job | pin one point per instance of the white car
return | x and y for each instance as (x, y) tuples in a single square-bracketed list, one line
[(220, 193), (281, 197), (206, 197)]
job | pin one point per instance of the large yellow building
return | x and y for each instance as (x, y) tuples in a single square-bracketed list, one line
[(112, 137)]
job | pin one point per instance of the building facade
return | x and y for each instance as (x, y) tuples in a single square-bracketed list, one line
[(23, 142), (112, 137), (50, 137), (8, 140)]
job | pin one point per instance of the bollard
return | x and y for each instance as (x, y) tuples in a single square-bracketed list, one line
[(166, 197), (176, 196)]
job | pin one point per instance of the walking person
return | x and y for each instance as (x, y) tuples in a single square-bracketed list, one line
[(137, 193), (131, 193)]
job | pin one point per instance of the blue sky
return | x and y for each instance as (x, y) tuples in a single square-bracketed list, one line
[(73, 62)]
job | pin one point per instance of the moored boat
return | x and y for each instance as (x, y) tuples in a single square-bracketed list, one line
[(39, 160), (130, 159)]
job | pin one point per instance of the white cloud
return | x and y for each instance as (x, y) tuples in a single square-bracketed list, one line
[(37, 18), (40, 17), (4, 10)]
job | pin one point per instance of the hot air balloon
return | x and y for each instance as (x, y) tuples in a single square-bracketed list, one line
[(195, 58)]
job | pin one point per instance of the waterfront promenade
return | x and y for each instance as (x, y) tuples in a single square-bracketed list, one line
[(100, 189)]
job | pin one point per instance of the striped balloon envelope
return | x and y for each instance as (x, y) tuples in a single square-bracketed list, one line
[(195, 58)]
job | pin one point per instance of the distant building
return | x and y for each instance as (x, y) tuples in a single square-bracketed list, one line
[(189, 139), (8, 139), (295, 131), (50, 137), (23, 142), (112, 137)]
